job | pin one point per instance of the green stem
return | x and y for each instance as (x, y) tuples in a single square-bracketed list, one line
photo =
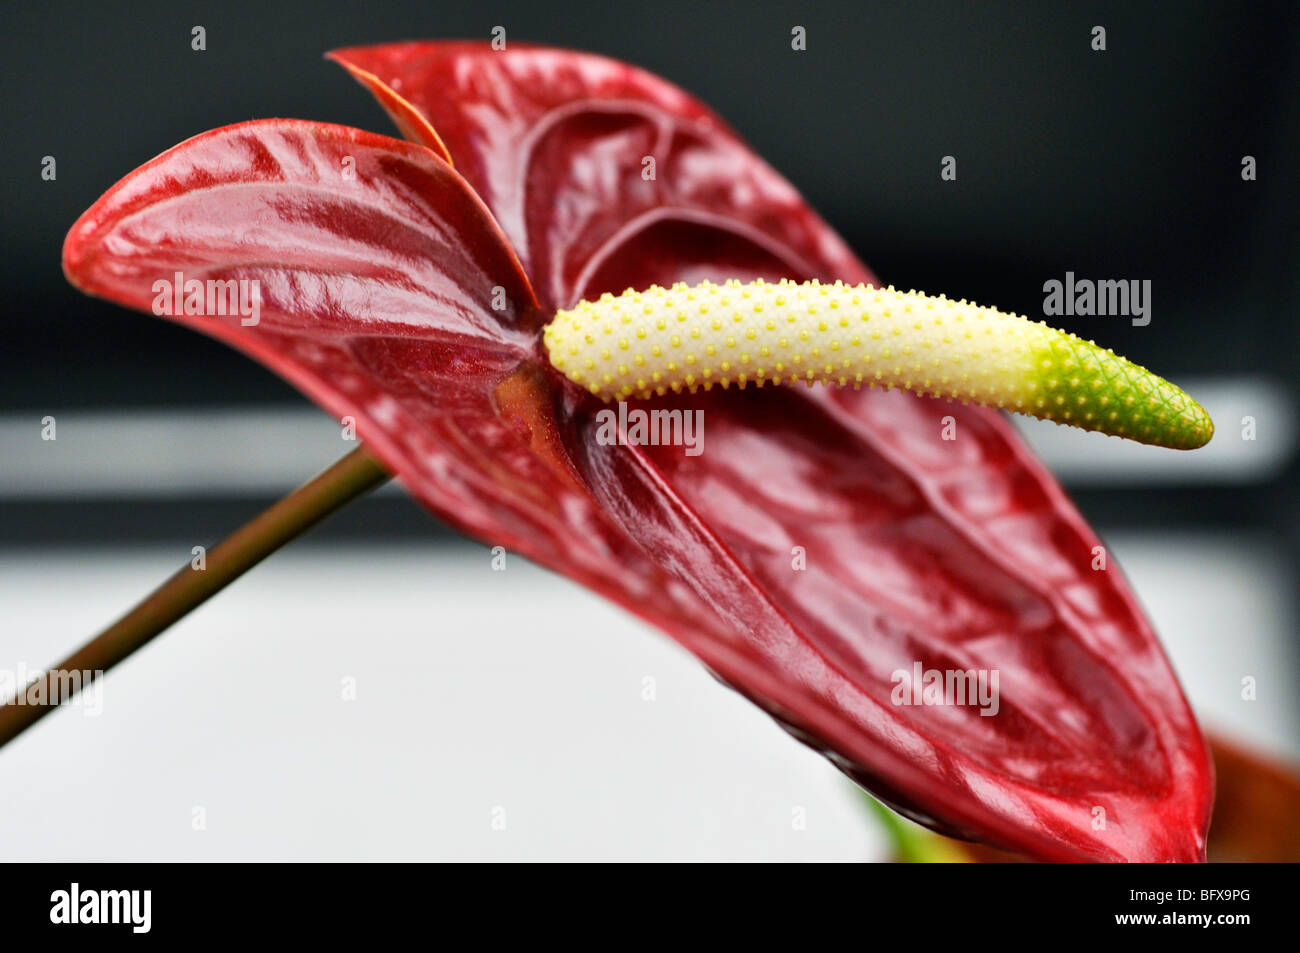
[(349, 478)]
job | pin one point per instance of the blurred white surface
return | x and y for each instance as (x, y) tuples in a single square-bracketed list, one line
[(481, 692), (1225, 609), (476, 692)]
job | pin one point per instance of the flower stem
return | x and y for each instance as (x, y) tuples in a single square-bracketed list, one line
[(349, 478)]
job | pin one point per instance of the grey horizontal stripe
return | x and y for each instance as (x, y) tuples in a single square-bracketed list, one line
[(131, 453)]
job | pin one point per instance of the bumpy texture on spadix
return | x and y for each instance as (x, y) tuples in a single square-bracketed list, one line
[(642, 343)]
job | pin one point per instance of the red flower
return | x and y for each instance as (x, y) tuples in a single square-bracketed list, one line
[(411, 296)]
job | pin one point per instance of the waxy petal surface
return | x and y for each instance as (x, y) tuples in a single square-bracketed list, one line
[(952, 554), (557, 144)]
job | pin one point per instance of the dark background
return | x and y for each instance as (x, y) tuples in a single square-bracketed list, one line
[(1124, 163)]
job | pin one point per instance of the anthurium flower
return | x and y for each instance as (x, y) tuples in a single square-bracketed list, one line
[(824, 541)]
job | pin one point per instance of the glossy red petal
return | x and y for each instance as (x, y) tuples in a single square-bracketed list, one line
[(377, 300), (380, 277), (956, 554), (601, 174), (913, 551), (917, 549)]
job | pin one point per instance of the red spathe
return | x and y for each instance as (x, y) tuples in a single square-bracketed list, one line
[(824, 539)]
